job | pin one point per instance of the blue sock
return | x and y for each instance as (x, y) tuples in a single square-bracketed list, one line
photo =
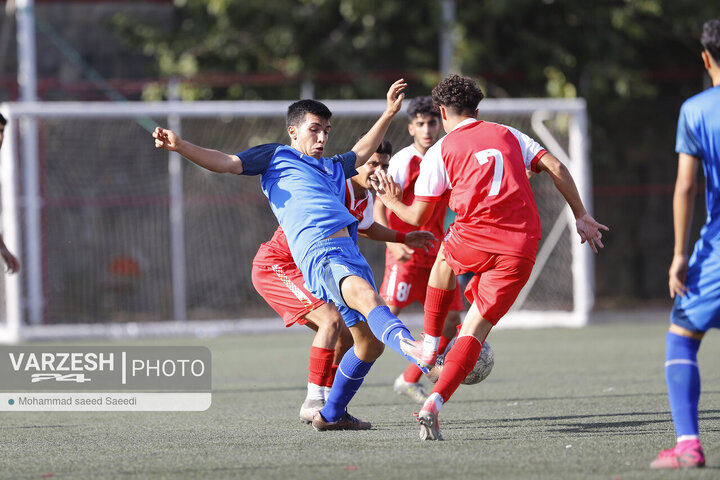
[(388, 328), (683, 382), (350, 375)]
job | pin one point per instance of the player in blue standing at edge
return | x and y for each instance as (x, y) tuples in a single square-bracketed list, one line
[(306, 193), (694, 284)]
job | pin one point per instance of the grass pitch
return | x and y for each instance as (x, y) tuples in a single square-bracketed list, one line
[(560, 403)]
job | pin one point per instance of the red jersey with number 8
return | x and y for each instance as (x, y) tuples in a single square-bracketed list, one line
[(484, 164)]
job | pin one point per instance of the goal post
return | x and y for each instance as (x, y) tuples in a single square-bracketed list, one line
[(118, 238)]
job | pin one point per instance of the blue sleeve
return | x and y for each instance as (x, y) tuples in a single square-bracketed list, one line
[(347, 160), (686, 140), (256, 160)]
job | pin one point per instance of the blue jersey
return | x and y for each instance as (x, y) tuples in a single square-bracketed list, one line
[(698, 135), (306, 194)]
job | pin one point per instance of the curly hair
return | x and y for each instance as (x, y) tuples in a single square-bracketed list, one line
[(422, 106), (459, 93), (710, 38)]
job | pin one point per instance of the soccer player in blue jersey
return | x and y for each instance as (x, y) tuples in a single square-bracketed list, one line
[(306, 193), (694, 283)]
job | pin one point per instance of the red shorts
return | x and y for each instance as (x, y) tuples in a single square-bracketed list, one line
[(403, 285), (283, 288), (497, 281)]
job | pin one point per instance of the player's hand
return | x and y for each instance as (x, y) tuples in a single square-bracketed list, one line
[(589, 231), (395, 96), (420, 239), (386, 188), (11, 261), (677, 275), (166, 139), (401, 252)]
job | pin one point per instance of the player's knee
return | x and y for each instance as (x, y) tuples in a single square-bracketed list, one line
[(360, 295)]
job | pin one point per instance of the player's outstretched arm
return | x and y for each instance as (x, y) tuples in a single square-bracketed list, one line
[(212, 160), (587, 227), (417, 239), (369, 143), (683, 206)]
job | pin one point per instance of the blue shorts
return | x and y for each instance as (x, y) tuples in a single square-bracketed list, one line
[(327, 263), (699, 310)]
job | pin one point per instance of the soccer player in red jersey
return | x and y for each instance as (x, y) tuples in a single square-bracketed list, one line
[(406, 270), (497, 229), (279, 281)]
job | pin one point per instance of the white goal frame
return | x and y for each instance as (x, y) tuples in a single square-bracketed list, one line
[(23, 311)]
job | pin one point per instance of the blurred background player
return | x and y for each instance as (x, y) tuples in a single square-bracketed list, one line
[(322, 234), (279, 281), (11, 262), (694, 283), (497, 229), (407, 270)]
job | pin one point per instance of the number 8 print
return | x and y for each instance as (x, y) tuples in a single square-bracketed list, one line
[(492, 154)]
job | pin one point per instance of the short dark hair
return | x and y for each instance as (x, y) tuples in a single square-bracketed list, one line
[(459, 93), (385, 146), (422, 106), (3, 121), (296, 112), (710, 38)]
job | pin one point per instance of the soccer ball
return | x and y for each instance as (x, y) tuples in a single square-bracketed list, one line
[(480, 371)]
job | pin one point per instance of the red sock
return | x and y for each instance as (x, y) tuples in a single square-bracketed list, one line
[(437, 306), (331, 377), (412, 374), (459, 361), (320, 365), (443, 344)]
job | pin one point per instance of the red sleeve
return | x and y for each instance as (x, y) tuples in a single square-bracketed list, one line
[(533, 163)]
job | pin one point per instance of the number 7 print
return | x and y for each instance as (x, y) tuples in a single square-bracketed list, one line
[(492, 154)]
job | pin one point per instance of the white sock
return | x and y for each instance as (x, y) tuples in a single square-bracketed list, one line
[(315, 392), (430, 344), (436, 399), (326, 392)]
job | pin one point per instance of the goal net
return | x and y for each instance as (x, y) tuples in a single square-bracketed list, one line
[(116, 237)]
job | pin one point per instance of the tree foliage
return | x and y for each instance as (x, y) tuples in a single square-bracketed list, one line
[(634, 61), (329, 42)]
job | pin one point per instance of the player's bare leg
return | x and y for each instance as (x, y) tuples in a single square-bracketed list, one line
[(332, 340), (458, 362)]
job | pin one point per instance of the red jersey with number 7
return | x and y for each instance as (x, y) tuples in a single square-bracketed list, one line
[(483, 165)]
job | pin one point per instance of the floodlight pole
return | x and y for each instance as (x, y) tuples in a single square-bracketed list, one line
[(27, 82)]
